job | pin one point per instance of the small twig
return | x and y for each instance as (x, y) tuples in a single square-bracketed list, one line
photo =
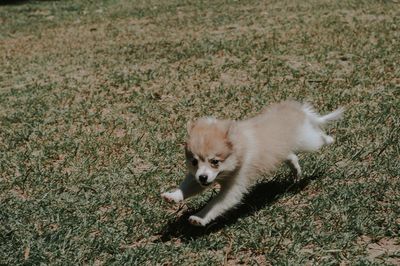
[(332, 250)]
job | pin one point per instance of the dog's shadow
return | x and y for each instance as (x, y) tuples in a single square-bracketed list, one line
[(260, 195), (12, 2)]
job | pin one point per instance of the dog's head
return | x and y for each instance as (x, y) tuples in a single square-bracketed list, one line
[(209, 150)]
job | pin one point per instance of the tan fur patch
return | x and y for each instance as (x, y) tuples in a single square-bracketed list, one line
[(210, 139)]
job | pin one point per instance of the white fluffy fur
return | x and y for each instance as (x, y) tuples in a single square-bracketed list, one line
[(251, 147)]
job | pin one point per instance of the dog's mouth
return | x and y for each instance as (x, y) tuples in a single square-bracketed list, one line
[(205, 184)]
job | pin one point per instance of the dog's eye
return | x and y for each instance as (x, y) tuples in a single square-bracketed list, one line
[(194, 162), (214, 162)]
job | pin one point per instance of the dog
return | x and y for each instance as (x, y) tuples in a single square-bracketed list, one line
[(235, 153)]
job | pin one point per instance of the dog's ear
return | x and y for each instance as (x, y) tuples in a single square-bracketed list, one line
[(186, 146), (230, 127), (183, 144), (189, 126)]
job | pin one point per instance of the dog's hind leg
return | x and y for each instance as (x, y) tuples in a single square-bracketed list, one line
[(293, 162), (189, 187)]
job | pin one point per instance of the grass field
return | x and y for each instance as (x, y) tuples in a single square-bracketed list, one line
[(95, 96)]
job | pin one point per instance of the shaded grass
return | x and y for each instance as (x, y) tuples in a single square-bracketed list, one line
[(94, 99)]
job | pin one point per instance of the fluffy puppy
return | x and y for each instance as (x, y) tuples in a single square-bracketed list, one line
[(235, 153)]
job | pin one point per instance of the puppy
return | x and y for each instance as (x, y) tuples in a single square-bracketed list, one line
[(235, 153)]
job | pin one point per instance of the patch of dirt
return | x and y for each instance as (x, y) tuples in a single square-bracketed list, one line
[(301, 64), (342, 63), (98, 262), (19, 193), (120, 132), (309, 248), (236, 78), (385, 250), (145, 241), (352, 17), (139, 165), (246, 257)]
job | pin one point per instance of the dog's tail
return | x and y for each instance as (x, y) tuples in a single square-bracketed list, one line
[(321, 120)]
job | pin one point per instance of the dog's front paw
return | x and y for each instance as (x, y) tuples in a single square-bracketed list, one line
[(297, 175), (175, 196), (197, 221)]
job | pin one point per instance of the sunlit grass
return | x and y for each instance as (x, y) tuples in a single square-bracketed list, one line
[(94, 99)]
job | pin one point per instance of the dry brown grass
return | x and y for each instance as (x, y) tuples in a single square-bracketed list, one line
[(94, 98)]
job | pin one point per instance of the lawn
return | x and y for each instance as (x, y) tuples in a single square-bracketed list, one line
[(94, 100)]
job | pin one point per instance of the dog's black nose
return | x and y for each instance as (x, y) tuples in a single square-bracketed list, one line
[(203, 178)]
